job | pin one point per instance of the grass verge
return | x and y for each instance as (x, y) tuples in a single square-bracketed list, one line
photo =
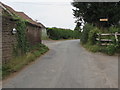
[(109, 50), (18, 62)]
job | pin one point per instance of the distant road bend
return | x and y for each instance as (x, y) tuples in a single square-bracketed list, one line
[(68, 65)]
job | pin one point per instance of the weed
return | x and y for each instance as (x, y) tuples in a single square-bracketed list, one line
[(19, 62)]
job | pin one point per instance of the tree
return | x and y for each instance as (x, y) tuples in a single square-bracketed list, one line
[(92, 12), (77, 28)]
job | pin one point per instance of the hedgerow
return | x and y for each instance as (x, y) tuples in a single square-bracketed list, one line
[(88, 39), (59, 33), (85, 33)]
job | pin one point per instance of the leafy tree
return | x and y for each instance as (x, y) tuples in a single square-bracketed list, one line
[(91, 12), (77, 28)]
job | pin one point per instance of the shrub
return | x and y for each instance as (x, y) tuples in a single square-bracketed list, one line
[(114, 29), (59, 33), (92, 36), (111, 49), (77, 34), (88, 39), (85, 33)]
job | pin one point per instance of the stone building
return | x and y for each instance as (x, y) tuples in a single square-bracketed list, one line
[(33, 30)]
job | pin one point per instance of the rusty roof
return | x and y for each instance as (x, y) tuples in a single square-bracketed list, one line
[(23, 15)]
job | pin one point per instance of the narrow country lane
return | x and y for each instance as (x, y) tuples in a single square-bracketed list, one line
[(68, 65)]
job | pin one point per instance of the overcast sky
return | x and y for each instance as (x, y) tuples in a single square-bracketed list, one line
[(51, 13)]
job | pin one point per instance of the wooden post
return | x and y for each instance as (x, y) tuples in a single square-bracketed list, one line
[(116, 36), (99, 36)]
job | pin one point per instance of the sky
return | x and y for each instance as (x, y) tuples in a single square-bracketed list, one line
[(51, 13)]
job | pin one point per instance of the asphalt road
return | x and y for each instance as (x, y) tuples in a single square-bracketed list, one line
[(68, 65)]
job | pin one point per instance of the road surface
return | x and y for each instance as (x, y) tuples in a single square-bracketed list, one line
[(68, 65)]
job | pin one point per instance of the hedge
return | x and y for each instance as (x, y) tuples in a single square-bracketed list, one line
[(59, 33)]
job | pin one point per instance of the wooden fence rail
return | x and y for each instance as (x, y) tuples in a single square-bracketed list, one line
[(107, 41)]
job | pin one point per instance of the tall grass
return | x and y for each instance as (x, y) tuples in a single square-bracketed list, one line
[(19, 62)]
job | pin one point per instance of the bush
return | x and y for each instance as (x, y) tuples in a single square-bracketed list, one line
[(114, 29), (85, 34), (116, 44), (92, 36), (88, 39), (77, 34), (111, 49), (58, 33)]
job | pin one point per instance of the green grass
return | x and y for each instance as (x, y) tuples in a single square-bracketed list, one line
[(19, 62), (109, 50), (92, 48)]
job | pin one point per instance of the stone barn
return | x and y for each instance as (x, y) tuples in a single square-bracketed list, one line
[(33, 30)]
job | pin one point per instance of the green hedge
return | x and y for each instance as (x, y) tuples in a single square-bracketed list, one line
[(85, 34), (59, 33), (88, 39)]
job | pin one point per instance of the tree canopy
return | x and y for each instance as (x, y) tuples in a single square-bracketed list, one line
[(92, 12)]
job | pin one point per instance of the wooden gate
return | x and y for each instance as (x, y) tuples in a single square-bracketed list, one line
[(106, 38)]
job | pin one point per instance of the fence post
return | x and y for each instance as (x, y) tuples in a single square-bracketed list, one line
[(116, 36), (99, 37)]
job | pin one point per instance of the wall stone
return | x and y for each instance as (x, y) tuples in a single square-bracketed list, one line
[(0, 36), (33, 34), (9, 40)]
